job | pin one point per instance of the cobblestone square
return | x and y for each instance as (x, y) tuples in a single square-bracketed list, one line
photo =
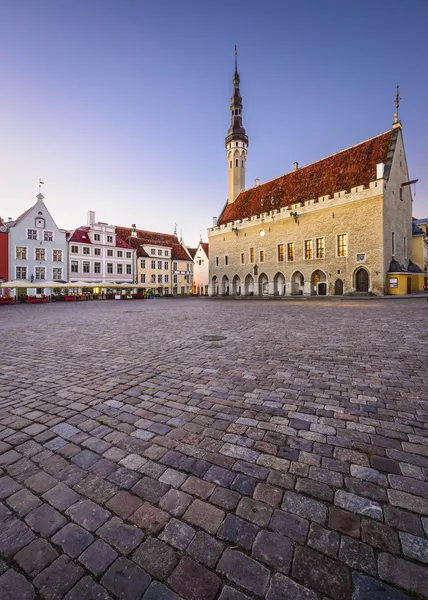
[(285, 458)]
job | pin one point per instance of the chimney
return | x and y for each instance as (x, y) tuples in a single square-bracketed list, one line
[(379, 170), (296, 165), (91, 218), (214, 221), (256, 182)]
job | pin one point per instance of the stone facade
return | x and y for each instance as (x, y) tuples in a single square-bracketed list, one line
[(332, 227)]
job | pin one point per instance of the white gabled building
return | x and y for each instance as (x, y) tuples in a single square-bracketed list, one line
[(98, 254), (37, 249), (201, 268)]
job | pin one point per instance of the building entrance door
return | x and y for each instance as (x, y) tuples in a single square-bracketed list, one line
[(322, 289), (362, 281), (338, 287), (409, 285)]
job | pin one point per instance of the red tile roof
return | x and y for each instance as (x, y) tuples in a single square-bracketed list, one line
[(205, 246), (344, 170), (153, 238), (81, 235), (192, 251)]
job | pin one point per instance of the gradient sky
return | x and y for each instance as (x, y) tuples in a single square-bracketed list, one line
[(122, 106)]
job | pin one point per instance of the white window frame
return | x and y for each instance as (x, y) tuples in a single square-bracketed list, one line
[(32, 238), (47, 234)]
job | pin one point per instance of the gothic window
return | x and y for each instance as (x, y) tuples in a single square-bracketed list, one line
[(242, 164), (236, 162)]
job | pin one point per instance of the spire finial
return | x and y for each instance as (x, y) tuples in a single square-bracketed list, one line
[(397, 106), (40, 185), (236, 59)]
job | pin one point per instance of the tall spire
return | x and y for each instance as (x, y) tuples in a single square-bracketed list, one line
[(236, 130), (236, 141)]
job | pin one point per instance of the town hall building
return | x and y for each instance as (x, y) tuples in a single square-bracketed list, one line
[(340, 225)]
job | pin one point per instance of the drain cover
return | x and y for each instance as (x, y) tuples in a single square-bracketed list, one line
[(213, 338)]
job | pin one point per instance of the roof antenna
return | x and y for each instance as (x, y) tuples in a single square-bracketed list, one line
[(175, 229)]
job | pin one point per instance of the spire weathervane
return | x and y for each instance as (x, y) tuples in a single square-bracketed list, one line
[(397, 106), (236, 59), (40, 185)]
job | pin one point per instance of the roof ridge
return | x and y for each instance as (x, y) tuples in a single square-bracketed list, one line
[(316, 161)]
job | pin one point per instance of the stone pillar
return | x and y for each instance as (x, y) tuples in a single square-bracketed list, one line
[(307, 288), (288, 288), (210, 289), (271, 288)]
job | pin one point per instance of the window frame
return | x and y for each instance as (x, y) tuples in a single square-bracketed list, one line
[(345, 245)]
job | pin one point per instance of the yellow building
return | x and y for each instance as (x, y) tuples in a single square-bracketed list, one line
[(335, 226), (163, 262), (420, 248)]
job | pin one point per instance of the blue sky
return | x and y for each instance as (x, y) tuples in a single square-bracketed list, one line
[(122, 106)]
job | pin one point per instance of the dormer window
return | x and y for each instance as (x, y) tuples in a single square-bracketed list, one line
[(40, 222)]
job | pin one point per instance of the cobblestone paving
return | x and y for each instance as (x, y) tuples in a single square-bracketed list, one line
[(288, 461)]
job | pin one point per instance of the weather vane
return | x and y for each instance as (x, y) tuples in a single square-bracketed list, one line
[(397, 98), (40, 185)]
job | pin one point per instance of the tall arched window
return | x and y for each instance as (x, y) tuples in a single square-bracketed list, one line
[(236, 162)]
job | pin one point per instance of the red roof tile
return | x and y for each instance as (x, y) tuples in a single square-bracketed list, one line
[(81, 235), (192, 251), (344, 170), (154, 238), (205, 246)]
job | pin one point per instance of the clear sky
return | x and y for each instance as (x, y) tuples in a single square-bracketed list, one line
[(122, 106)]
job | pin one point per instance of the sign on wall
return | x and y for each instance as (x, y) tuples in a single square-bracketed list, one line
[(393, 282)]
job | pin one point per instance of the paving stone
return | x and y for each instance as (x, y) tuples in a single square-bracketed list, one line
[(175, 502), (72, 539), (324, 540), (228, 593), (244, 571), (173, 477), (205, 549), (402, 573), (41, 482), (9, 457), (414, 547), (45, 520), (244, 485), (359, 505), (57, 579), (124, 478), (23, 502), (380, 536), (315, 570), (65, 430), (410, 485), (133, 462), (368, 474), (156, 558), (304, 507), (290, 525), (61, 496), (273, 549), (252, 470), (8, 486), (14, 586), (87, 589), (124, 504), (198, 487), (237, 531), (269, 494), (14, 535), (219, 476), (150, 518), (388, 465), (124, 538), (357, 555), (126, 580), (315, 489), (98, 557), (367, 588), (254, 511), (193, 582), (88, 514), (177, 534), (225, 498), (35, 557), (96, 488), (344, 521), (158, 591), (150, 490), (284, 588), (203, 515)]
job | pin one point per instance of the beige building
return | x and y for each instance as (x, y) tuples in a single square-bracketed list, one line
[(335, 226), (420, 246), (163, 263)]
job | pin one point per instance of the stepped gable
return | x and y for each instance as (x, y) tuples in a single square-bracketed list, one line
[(344, 170)]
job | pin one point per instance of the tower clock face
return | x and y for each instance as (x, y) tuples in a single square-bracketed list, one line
[(3, 228)]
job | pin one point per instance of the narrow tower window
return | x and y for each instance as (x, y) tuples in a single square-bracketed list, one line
[(236, 162)]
